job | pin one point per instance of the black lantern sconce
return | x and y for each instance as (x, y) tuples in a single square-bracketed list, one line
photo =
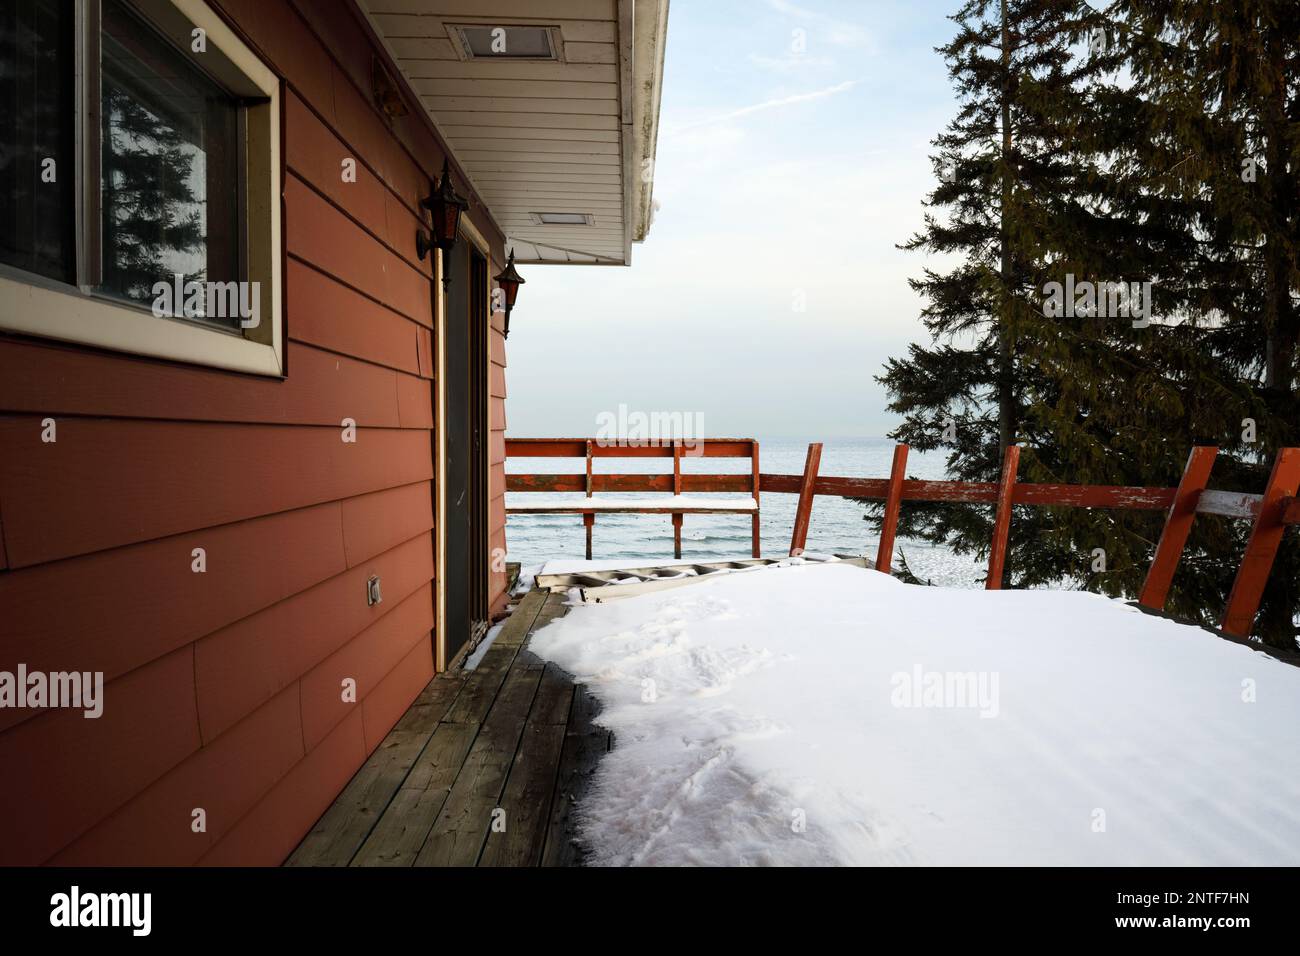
[(445, 206), (509, 280)]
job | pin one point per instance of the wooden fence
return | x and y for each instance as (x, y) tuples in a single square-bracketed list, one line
[(1270, 512)]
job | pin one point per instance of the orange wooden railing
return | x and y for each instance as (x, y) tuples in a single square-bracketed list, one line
[(1269, 513), (677, 484)]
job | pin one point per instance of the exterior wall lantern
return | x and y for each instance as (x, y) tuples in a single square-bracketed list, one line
[(509, 280), (445, 207)]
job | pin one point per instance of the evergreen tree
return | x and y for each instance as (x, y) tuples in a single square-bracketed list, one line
[(1008, 187), (1180, 171), (1216, 85)]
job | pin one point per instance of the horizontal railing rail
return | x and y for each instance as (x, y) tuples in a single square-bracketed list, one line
[(677, 484), (981, 492)]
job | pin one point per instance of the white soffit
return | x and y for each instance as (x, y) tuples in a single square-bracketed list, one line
[(575, 133)]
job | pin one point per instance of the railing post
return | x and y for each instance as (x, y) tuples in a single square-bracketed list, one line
[(589, 520), (754, 528), (1002, 519), (1178, 525), (1261, 549), (893, 499), (677, 490), (803, 513)]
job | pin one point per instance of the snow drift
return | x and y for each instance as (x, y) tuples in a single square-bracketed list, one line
[(824, 714)]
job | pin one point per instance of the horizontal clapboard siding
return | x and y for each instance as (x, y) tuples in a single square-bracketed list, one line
[(322, 389), (107, 482), (119, 609), (223, 689), (241, 666)]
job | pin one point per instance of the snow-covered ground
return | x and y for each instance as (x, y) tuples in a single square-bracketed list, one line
[(828, 714)]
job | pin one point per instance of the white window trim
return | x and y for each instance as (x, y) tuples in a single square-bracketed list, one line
[(39, 307)]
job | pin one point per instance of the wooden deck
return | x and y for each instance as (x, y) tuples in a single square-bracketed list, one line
[(483, 770)]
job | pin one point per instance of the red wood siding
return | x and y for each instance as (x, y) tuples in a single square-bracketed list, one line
[(223, 690)]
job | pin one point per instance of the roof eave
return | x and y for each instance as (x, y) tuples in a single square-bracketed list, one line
[(649, 34)]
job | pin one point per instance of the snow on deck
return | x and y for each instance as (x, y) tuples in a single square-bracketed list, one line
[(827, 714)]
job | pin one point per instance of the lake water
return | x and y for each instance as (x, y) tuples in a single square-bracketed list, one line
[(837, 524)]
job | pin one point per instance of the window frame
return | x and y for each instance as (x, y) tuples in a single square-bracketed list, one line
[(36, 305)]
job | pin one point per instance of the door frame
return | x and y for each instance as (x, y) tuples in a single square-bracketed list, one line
[(470, 233)]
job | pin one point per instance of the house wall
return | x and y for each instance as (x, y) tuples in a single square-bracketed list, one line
[(223, 688)]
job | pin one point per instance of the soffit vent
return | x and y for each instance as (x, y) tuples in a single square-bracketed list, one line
[(499, 41), (562, 218)]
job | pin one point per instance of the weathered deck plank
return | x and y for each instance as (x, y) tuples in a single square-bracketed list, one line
[(484, 682), (433, 703), (553, 608), (526, 801), (554, 698), (520, 624), (512, 740), (344, 827), (400, 833), (584, 744), (462, 825)]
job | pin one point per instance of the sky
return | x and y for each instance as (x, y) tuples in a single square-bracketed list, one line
[(769, 292)]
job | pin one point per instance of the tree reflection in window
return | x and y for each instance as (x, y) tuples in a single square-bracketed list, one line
[(169, 169), (38, 168)]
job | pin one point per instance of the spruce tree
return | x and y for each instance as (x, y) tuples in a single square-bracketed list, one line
[(1178, 169), (1216, 85), (1007, 187)]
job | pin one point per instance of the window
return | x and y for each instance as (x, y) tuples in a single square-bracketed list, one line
[(169, 164), (140, 199)]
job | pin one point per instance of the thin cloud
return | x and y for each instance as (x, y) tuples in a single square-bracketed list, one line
[(783, 6), (838, 32), (770, 105), (790, 63)]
